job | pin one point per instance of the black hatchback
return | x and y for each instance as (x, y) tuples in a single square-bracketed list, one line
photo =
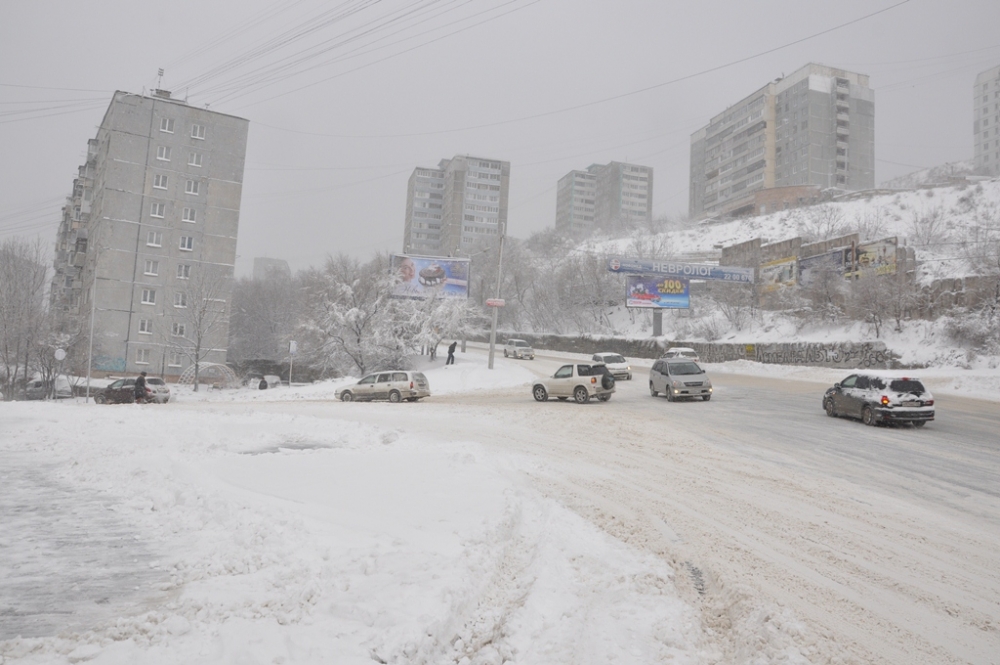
[(121, 391)]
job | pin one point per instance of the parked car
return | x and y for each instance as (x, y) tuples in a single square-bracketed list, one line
[(394, 386), (880, 398), (518, 348), (679, 378), (122, 391), (40, 389), (581, 382), (616, 364), (157, 388), (681, 352)]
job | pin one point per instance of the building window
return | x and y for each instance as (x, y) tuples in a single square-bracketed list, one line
[(187, 243), (174, 359), (198, 132), (167, 125), (189, 215), (183, 271), (146, 326), (154, 239), (191, 187), (180, 299), (152, 267), (160, 181), (163, 153), (157, 209), (177, 330), (148, 297), (142, 356), (194, 159)]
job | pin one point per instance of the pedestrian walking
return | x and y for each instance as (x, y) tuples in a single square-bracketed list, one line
[(451, 354), (140, 388)]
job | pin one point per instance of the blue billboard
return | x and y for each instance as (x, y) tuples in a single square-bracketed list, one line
[(657, 292), (688, 270), (430, 277)]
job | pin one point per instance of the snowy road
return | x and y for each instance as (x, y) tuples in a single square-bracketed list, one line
[(748, 529)]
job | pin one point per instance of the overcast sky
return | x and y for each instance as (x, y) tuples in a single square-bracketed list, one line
[(376, 88)]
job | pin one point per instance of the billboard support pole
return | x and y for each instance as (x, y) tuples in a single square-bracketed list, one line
[(657, 323), (493, 328)]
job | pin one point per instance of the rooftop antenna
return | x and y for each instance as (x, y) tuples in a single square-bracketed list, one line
[(159, 77)]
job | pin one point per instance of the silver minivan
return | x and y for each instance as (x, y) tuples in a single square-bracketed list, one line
[(677, 378), (394, 386)]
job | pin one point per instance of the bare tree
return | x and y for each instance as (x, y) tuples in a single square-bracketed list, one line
[(263, 315), (821, 222), (203, 312), (22, 306)]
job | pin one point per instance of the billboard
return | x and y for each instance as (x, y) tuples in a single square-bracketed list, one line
[(812, 269), (430, 277), (878, 256), (657, 292), (682, 270), (775, 274)]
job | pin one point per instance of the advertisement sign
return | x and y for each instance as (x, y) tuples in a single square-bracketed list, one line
[(687, 270), (657, 292), (878, 257), (812, 269), (428, 276), (779, 273)]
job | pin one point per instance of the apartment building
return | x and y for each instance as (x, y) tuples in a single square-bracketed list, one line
[(604, 196), (460, 205), (813, 127), (986, 121), (147, 244)]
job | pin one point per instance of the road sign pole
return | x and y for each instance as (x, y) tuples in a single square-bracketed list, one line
[(493, 328)]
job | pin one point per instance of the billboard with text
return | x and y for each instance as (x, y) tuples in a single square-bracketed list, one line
[(430, 277), (657, 292)]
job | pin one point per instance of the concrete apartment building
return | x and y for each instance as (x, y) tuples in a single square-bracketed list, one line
[(147, 243), (456, 207), (266, 268), (604, 196), (986, 121), (813, 128)]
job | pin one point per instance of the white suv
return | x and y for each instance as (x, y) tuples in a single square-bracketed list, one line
[(518, 348), (394, 386), (616, 364)]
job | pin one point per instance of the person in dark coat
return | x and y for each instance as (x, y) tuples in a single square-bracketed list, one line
[(140, 388), (451, 354)]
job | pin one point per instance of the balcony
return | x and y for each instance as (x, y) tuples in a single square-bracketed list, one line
[(843, 131), (843, 116)]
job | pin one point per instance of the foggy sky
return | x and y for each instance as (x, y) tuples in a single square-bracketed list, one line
[(330, 149)]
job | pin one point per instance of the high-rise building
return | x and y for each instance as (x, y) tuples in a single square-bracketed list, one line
[(456, 207), (814, 127), (605, 196), (147, 244), (265, 268), (986, 121)]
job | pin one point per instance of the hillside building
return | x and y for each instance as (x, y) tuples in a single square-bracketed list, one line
[(813, 127), (986, 121), (148, 235), (604, 196), (266, 268), (456, 207)]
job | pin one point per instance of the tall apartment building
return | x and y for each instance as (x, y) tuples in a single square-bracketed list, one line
[(986, 121), (147, 243), (605, 196), (456, 207), (814, 127)]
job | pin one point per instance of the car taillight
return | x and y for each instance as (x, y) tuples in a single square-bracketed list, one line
[(411, 385), (885, 400), (593, 379), (929, 402)]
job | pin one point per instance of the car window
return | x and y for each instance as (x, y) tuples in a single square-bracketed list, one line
[(367, 380), (849, 381), (680, 369), (384, 378), (907, 386), (117, 384), (583, 370), (399, 376), (129, 382), (154, 382), (595, 358), (520, 343), (613, 358), (862, 383), (689, 354), (564, 372), (419, 376)]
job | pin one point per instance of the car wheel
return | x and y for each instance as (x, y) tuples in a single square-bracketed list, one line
[(868, 416), (605, 397), (706, 397), (540, 393), (919, 423), (831, 410), (652, 390), (347, 396), (670, 395), (505, 353), (394, 397), (100, 399), (580, 395)]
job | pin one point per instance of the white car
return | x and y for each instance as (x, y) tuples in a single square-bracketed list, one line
[(518, 348), (394, 386), (681, 352), (581, 382), (616, 364), (159, 391)]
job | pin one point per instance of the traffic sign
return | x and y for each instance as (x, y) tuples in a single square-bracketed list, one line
[(495, 302)]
